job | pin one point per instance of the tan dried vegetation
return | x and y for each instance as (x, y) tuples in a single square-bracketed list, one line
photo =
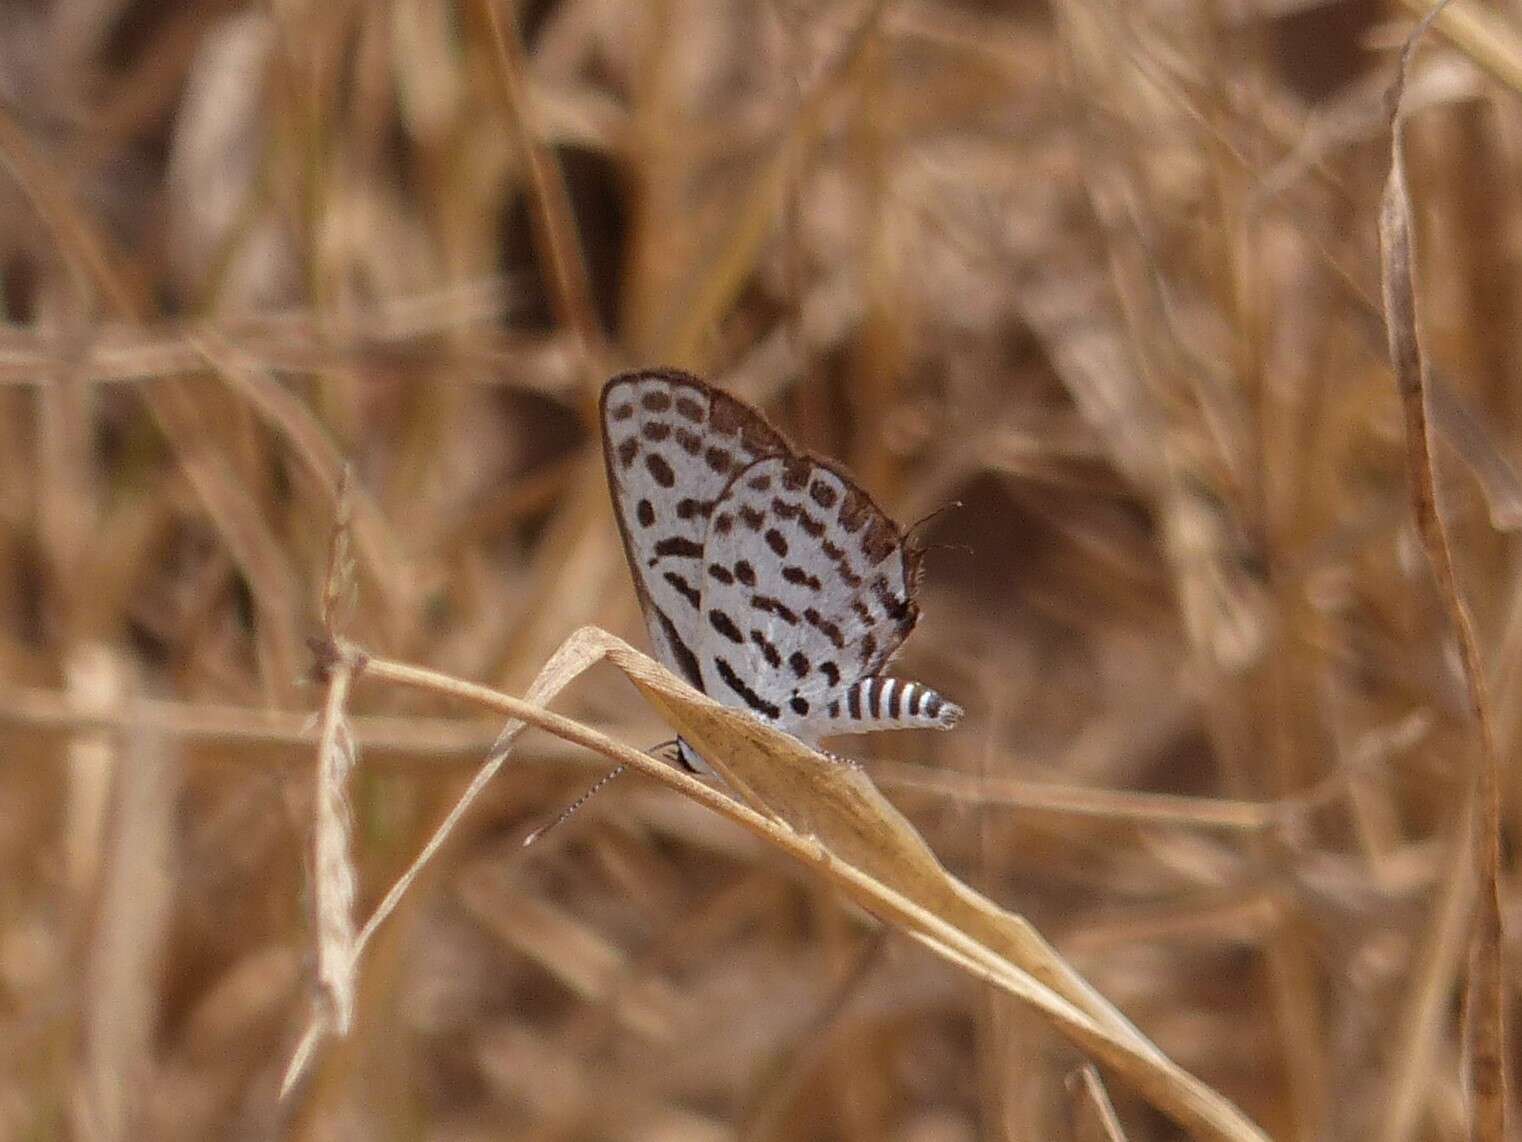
[(306, 307)]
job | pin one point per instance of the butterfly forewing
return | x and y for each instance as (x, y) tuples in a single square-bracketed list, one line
[(807, 588), (672, 444)]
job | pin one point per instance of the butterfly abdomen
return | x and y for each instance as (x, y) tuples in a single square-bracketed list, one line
[(880, 702)]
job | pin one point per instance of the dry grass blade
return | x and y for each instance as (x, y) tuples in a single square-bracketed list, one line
[(180, 416), (382, 553), (1437, 970), (95, 686), (837, 822), (1485, 997), (1094, 1117), (732, 264), (1212, 813), (555, 222), (129, 934), (1484, 34), (333, 878), (578, 957), (332, 866), (338, 583), (1498, 478)]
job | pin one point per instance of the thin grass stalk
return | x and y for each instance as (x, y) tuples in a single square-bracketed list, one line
[(1484, 1028), (555, 222), (333, 876)]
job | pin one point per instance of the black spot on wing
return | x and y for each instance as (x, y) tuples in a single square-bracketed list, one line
[(757, 703), (842, 564), (771, 606), (896, 609), (800, 578), (645, 513), (660, 471), (855, 509), (678, 545), (725, 625), (825, 626), (683, 588), (768, 651), (877, 541)]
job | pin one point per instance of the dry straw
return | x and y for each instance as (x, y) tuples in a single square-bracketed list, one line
[(1485, 1035), (831, 817), (1242, 731)]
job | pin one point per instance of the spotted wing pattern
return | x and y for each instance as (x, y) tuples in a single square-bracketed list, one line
[(807, 588), (769, 580), (671, 444)]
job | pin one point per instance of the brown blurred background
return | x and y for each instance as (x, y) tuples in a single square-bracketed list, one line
[(1108, 274)]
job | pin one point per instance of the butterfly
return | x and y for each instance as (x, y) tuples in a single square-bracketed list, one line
[(768, 579)]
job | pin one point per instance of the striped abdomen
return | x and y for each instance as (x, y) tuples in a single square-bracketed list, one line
[(875, 703), (880, 703)]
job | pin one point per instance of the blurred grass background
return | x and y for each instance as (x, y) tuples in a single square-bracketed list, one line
[(1106, 274)]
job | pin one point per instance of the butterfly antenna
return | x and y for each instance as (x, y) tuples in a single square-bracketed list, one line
[(924, 519), (574, 805)]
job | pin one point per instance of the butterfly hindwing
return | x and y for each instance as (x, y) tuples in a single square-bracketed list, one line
[(807, 588)]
